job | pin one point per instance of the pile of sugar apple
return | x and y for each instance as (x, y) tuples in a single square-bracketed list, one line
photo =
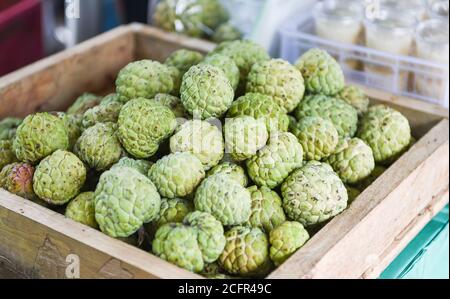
[(223, 165)]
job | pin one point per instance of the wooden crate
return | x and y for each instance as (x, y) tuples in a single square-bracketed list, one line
[(359, 243)]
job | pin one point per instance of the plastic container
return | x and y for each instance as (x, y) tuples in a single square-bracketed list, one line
[(438, 9)]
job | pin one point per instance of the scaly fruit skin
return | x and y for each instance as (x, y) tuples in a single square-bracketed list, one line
[(210, 237), (142, 166), (173, 103), (143, 125), (356, 97), (82, 209), (38, 136), (73, 126), (285, 240), (273, 164), (143, 79), (17, 178), (374, 175), (226, 32), (206, 91), (214, 13), (184, 59), (317, 136), (244, 136), (7, 155), (233, 170), (245, 54), (386, 131), (227, 65), (83, 103), (353, 193), (8, 127), (278, 79), (177, 78), (177, 175), (267, 209), (99, 146), (246, 252), (107, 111), (124, 201), (200, 138), (172, 211), (59, 178), (343, 116), (313, 194), (224, 198), (322, 73), (353, 160), (177, 243), (261, 107)]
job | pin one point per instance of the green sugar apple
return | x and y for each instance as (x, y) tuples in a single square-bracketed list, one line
[(356, 97), (74, 126), (233, 170), (82, 209), (7, 155), (184, 59), (227, 65), (172, 102), (172, 211), (8, 127), (17, 178), (83, 103), (107, 111), (142, 166), (285, 240), (226, 32)]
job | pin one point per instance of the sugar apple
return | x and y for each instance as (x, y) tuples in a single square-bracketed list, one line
[(82, 209), (8, 127), (244, 136), (172, 102), (313, 194), (226, 32), (322, 74), (285, 240), (177, 175), (342, 115), (352, 160), (177, 78), (99, 146), (267, 209), (261, 107), (83, 103), (200, 138), (386, 131), (374, 175), (227, 65), (206, 91), (224, 198), (124, 201), (356, 97), (142, 166), (74, 126), (353, 193), (7, 155), (317, 136), (246, 252), (17, 178), (184, 59), (38, 136), (172, 211), (213, 13), (143, 79), (278, 79), (107, 111), (59, 177), (273, 164), (143, 125), (233, 170)]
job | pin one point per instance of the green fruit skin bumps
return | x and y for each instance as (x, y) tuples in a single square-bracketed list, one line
[(322, 73), (285, 240), (7, 155), (227, 65), (273, 164), (317, 136), (8, 127), (83, 103), (313, 194), (173, 103), (143, 125), (107, 111), (279, 80), (206, 92), (224, 198), (82, 209), (386, 131), (354, 96), (343, 116), (177, 175), (59, 177), (124, 201), (38, 136), (172, 211), (142, 166), (184, 59), (233, 170)]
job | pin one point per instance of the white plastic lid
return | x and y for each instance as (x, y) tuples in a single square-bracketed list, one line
[(393, 20), (345, 11)]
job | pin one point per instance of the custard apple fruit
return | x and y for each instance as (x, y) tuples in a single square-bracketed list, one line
[(227, 65), (224, 198), (38, 136), (206, 91), (59, 177), (83, 103), (124, 201), (278, 79), (322, 74), (356, 97), (313, 194), (142, 166), (273, 164), (184, 59), (7, 155), (17, 178), (74, 126), (172, 211), (233, 170), (285, 240), (107, 111), (177, 78), (343, 116), (317, 136), (144, 125), (82, 209), (8, 127), (173, 103), (226, 32), (386, 131)]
